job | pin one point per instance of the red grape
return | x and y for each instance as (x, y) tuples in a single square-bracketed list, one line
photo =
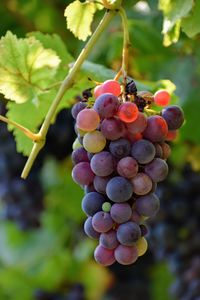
[(162, 98), (128, 112)]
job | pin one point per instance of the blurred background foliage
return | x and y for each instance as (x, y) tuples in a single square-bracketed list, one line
[(56, 256)]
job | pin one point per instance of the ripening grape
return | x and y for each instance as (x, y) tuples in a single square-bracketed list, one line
[(138, 125), (102, 163), (162, 98), (174, 116), (147, 205), (128, 112), (102, 222), (159, 151), (104, 256), (77, 108), (142, 184), (112, 128), (97, 91), (111, 86), (89, 230), (171, 135), (121, 212), (127, 167), (94, 142), (79, 155), (119, 189), (157, 169), (100, 183), (106, 105), (120, 148), (92, 203), (141, 246), (87, 120), (143, 151), (76, 144), (128, 233), (126, 255), (166, 150), (82, 173), (156, 130), (109, 239)]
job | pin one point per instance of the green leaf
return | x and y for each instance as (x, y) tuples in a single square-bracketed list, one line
[(26, 68), (173, 11), (191, 24), (79, 17)]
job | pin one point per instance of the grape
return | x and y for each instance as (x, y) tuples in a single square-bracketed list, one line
[(174, 116), (92, 203), (102, 222), (111, 86), (157, 169), (131, 88), (77, 108), (119, 189), (138, 125), (166, 150), (159, 151), (127, 167), (128, 112), (89, 188), (112, 128), (162, 98), (97, 91), (82, 173), (106, 206), (128, 233), (126, 255), (156, 130), (76, 144), (79, 155), (142, 184), (135, 217), (87, 120), (89, 230), (120, 148), (109, 239), (143, 151), (94, 142), (171, 135), (141, 246), (104, 256), (147, 205), (133, 137), (106, 105), (102, 164), (144, 230), (100, 183), (121, 212)]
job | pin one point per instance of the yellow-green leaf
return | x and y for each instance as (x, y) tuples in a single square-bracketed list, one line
[(26, 68), (79, 18)]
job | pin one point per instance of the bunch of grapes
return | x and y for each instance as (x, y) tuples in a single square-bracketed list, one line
[(175, 233), (119, 156)]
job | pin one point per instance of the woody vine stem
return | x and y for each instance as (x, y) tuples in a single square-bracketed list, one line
[(39, 138)]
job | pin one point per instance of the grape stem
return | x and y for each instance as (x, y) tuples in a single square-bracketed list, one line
[(33, 136), (66, 84), (126, 45)]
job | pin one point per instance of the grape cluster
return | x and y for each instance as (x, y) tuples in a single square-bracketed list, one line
[(175, 233), (119, 156)]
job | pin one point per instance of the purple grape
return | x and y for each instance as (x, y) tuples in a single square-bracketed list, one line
[(102, 164), (92, 203), (156, 130), (143, 151), (104, 256), (142, 184), (127, 167), (109, 239), (112, 128), (119, 189), (147, 205), (102, 222), (157, 169), (139, 125), (89, 230), (120, 148), (79, 155), (121, 212), (126, 255), (174, 116), (76, 108), (82, 173), (89, 188), (159, 151), (100, 183), (128, 233), (144, 229), (136, 217), (106, 105), (166, 150)]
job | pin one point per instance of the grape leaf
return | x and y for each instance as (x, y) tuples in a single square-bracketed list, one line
[(26, 68), (173, 11), (191, 24), (79, 17)]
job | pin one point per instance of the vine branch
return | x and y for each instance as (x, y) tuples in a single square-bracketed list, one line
[(66, 84)]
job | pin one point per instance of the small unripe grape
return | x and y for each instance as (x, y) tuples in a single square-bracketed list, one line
[(94, 142)]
